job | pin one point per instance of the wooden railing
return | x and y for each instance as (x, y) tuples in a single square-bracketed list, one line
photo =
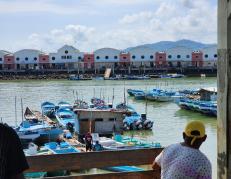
[(89, 160)]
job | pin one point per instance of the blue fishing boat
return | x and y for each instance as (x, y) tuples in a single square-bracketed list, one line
[(161, 95), (66, 118), (62, 148), (99, 103), (132, 92), (48, 109), (139, 95), (64, 105), (208, 108), (29, 131)]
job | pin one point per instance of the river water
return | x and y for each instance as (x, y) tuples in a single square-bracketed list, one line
[(169, 119)]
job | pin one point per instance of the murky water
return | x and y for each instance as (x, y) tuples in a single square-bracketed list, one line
[(168, 117)]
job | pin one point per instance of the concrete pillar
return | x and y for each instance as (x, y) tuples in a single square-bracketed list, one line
[(224, 91)]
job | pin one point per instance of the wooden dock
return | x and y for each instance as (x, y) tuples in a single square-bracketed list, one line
[(87, 160)]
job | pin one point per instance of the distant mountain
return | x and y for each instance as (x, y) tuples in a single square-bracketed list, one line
[(165, 45)]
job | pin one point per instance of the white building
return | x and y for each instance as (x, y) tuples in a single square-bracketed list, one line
[(66, 57), (210, 56), (179, 56), (27, 58), (106, 57), (141, 56)]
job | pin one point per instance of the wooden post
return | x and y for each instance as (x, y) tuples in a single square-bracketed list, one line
[(224, 91)]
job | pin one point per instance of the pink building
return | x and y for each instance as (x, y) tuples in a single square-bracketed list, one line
[(9, 62), (124, 59), (197, 58), (88, 60), (160, 60)]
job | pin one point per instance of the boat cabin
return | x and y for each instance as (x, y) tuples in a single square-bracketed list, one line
[(208, 94), (103, 122)]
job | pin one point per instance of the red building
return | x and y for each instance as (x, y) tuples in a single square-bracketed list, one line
[(197, 59), (44, 61), (88, 60), (9, 62), (160, 60), (124, 59)]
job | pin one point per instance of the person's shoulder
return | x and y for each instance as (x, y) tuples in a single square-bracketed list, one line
[(205, 159), (173, 146)]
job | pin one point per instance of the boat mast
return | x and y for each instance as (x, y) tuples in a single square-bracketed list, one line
[(94, 92), (74, 95), (77, 96), (22, 109), (146, 103), (15, 108), (113, 96)]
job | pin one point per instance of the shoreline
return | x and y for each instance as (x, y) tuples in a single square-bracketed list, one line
[(62, 77)]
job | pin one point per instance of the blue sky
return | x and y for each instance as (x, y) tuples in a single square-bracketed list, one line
[(93, 24)]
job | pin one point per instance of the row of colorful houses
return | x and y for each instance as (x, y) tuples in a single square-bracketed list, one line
[(68, 57)]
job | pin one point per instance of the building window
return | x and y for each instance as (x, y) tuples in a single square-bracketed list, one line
[(97, 57), (17, 59), (124, 58), (196, 56), (44, 59), (35, 58), (89, 58), (215, 55), (142, 57), (8, 59), (98, 119), (178, 56), (79, 58), (106, 57), (133, 57), (151, 56), (0, 59), (170, 56), (115, 57), (26, 58), (187, 56), (66, 52), (53, 58), (160, 57), (206, 56)]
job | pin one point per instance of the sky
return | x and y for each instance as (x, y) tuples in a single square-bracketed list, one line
[(92, 24)]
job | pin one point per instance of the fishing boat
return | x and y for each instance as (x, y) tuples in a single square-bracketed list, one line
[(165, 96), (80, 104), (29, 131), (208, 108), (66, 118), (48, 109), (62, 148), (132, 92), (136, 122), (161, 95), (65, 105), (99, 103), (139, 95)]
